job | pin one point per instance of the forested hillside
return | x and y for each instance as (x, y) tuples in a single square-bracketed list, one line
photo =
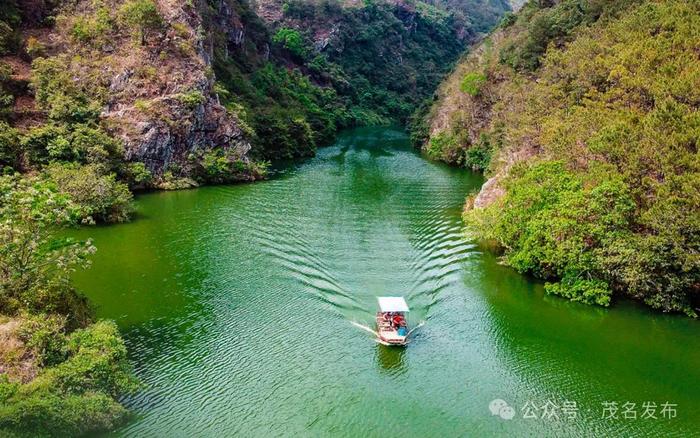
[(584, 116)]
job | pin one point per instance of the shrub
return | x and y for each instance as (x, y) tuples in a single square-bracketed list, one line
[(299, 9), (191, 99), (137, 175), (92, 29), (508, 20), (239, 112), (584, 291), (35, 264), (181, 30), (418, 124), (35, 48), (168, 181), (71, 143), (45, 335), (64, 98), (478, 157), (143, 105), (99, 196), (219, 166), (446, 147), (43, 413), (75, 396), (284, 134), (473, 83), (10, 19), (291, 40), (7, 37), (6, 97), (97, 362), (10, 148)]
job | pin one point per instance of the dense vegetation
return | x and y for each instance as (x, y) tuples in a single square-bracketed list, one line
[(590, 112), (67, 139), (290, 84), (61, 373), (70, 147)]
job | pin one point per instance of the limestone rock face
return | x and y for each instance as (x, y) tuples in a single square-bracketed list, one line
[(490, 191), (160, 144), (163, 122)]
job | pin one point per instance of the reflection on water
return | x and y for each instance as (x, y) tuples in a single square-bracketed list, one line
[(390, 359), (237, 302)]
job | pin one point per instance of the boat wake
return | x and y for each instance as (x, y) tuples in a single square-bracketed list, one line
[(364, 327), (422, 323)]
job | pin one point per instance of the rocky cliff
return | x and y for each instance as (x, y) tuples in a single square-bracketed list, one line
[(155, 84)]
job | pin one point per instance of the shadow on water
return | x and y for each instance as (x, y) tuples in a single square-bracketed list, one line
[(391, 359), (340, 157)]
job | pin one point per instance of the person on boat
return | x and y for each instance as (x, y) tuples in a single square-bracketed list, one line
[(398, 320)]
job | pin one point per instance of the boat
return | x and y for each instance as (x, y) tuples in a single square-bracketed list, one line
[(392, 326)]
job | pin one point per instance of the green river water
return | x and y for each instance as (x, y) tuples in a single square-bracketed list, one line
[(237, 305)]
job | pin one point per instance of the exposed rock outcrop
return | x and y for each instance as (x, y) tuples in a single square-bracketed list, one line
[(157, 86), (159, 144), (179, 114)]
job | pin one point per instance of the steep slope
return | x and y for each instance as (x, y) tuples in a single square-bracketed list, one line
[(140, 73), (584, 114), (302, 69)]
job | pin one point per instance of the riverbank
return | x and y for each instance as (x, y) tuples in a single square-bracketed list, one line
[(593, 166)]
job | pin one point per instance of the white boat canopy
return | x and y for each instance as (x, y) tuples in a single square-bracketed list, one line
[(392, 304)]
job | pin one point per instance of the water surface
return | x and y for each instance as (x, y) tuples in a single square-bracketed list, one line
[(237, 302)]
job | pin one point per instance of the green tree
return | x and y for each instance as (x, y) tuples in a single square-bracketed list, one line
[(64, 98), (98, 194), (10, 149), (291, 40), (9, 22), (6, 97), (142, 16), (79, 143), (76, 394), (35, 264)]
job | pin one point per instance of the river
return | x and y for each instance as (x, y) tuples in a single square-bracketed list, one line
[(236, 303)]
